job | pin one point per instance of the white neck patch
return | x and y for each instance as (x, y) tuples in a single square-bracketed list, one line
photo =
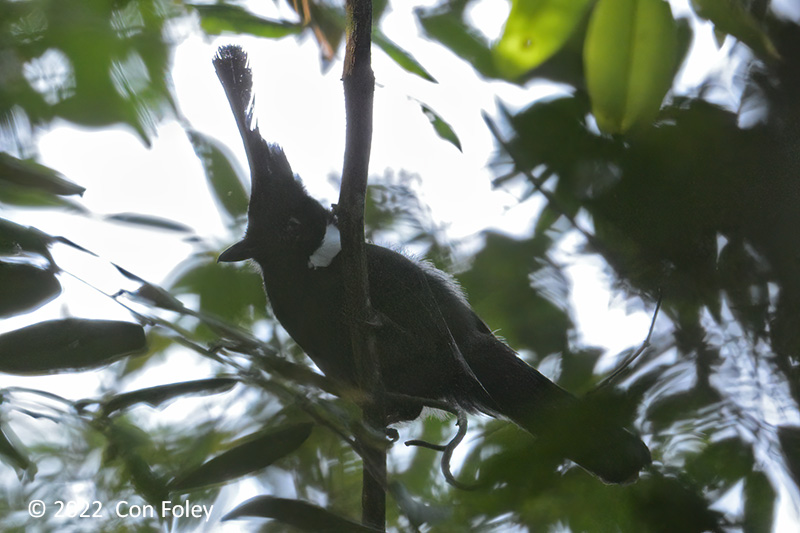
[(330, 248)]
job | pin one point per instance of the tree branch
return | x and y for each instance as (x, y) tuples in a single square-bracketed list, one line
[(359, 85)]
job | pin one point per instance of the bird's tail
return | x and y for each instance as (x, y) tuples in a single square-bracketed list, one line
[(569, 427)]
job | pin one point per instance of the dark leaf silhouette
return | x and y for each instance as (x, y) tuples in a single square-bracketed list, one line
[(153, 294), (149, 221), (220, 168), (445, 23), (442, 128), (68, 345), (27, 173), (249, 454), (405, 60), (299, 514), (220, 18), (24, 288), (12, 451), (789, 437), (759, 506), (15, 239), (156, 396)]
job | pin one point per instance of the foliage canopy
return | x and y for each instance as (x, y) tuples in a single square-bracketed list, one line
[(683, 197)]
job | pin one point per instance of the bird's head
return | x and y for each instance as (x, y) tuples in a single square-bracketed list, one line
[(284, 223)]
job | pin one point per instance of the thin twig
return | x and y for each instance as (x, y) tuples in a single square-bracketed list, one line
[(623, 366), (38, 392)]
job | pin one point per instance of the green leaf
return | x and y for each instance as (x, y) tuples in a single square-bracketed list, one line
[(18, 195), (31, 174), (789, 437), (14, 452), (216, 19), (658, 499), (68, 345), (534, 31), (668, 409), (328, 21), (500, 291), (629, 57), (248, 454), (302, 515), (156, 396), (442, 128), (547, 217), (152, 294), (132, 448), (95, 63), (405, 60), (15, 238), (24, 288), (224, 289), (220, 168), (732, 17), (723, 463), (445, 24), (150, 222), (759, 503), (64, 240)]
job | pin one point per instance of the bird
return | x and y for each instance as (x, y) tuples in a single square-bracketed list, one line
[(431, 345)]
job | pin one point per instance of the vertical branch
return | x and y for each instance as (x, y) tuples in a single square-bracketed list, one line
[(359, 84)]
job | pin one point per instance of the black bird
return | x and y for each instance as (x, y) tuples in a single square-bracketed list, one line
[(430, 342)]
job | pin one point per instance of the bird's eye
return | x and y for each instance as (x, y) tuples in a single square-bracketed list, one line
[(293, 228)]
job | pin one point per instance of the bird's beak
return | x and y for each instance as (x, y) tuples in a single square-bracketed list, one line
[(238, 252)]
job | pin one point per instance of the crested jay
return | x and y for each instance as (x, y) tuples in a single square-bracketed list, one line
[(430, 343)]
